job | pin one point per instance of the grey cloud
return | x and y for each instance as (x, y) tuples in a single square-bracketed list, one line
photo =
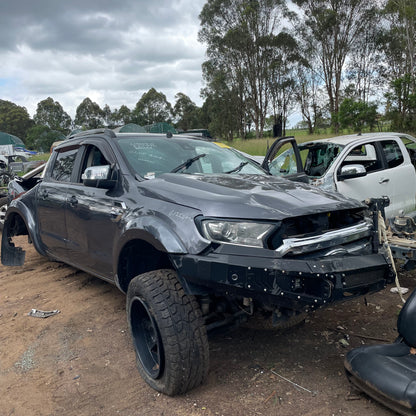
[(111, 50), (85, 25)]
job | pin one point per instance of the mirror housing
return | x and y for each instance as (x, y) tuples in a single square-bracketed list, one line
[(352, 171), (99, 177)]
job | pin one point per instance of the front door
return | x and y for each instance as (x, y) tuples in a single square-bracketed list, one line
[(386, 175), (93, 219), (284, 159)]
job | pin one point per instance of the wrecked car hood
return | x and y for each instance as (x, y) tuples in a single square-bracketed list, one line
[(244, 196)]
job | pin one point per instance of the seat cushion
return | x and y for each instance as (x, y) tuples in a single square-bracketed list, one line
[(389, 370)]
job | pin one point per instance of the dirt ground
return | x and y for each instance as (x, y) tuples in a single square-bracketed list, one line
[(81, 361)]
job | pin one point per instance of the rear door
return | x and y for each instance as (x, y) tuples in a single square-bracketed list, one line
[(51, 202)]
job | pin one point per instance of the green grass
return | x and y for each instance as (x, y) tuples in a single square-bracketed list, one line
[(259, 147), (40, 156)]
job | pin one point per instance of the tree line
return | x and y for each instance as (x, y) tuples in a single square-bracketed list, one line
[(51, 123), (341, 63)]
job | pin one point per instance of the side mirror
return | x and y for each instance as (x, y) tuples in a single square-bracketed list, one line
[(352, 171), (99, 177)]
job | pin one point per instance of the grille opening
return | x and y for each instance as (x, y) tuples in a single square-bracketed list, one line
[(314, 224)]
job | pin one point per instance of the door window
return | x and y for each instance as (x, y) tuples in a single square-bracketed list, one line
[(93, 157), (284, 158), (64, 165), (285, 162), (392, 153), (411, 149), (366, 155)]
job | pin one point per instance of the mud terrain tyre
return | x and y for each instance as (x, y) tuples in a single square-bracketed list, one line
[(169, 335)]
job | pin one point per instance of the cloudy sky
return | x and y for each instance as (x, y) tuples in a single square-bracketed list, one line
[(109, 50)]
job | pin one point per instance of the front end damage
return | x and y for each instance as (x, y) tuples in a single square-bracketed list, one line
[(295, 284), (295, 272)]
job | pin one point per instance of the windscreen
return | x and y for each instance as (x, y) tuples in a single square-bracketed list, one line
[(150, 157)]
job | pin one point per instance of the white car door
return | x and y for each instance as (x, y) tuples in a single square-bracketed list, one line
[(388, 173)]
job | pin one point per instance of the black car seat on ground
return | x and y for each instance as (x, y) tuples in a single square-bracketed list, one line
[(387, 373)]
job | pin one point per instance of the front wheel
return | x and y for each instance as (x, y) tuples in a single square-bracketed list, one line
[(169, 336)]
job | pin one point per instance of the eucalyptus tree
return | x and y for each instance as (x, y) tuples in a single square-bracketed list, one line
[(401, 103), (309, 95), (51, 114), (357, 114), (334, 26), (240, 38), (14, 119), (186, 112), (41, 137), (401, 52), (223, 109), (399, 46), (89, 115), (284, 82), (364, 67), (153, 107), (107, 116), (121, 116)]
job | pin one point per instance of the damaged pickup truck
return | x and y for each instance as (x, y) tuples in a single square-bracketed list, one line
[(197, 236)]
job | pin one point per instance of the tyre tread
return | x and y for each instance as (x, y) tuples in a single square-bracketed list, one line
[(182, 329)]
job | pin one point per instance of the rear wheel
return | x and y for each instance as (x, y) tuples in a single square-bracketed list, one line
[(168, 333)]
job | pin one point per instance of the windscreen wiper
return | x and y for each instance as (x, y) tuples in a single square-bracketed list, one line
[(238, 168), (187, 163)]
